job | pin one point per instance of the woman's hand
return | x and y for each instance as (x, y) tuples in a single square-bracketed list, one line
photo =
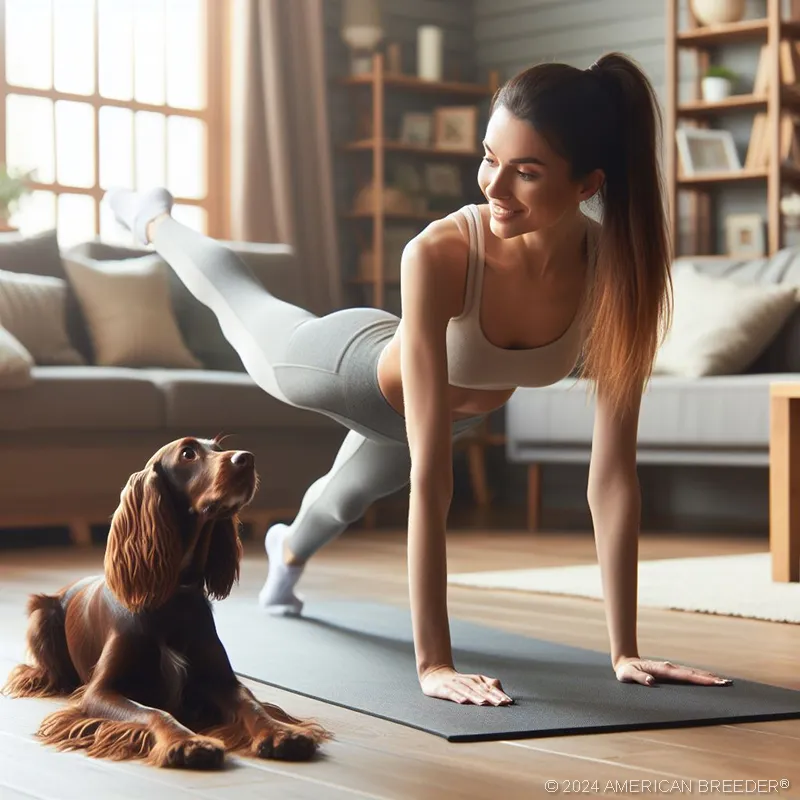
[(447, 684), (646, 672)]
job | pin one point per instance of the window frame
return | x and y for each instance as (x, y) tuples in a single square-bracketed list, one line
[(213, 115)]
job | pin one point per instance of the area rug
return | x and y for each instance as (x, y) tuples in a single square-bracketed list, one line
[(361, 656), (737, 585)]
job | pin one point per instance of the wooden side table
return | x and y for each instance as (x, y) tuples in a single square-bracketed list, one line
[(784, 481)]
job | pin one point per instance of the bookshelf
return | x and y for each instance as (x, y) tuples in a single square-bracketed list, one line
[(775, 99), (369, 226)]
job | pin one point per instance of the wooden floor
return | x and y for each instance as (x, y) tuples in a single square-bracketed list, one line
[(371, 758)]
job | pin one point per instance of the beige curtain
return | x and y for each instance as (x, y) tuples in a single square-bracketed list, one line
[(281, 173)]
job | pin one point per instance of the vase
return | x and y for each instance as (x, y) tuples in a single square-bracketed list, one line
[(715, 12)]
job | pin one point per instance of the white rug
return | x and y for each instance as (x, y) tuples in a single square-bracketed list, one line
[(736, 586)]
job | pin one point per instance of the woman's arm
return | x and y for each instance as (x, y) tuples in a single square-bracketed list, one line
[(432, 286), (425, 396), (615, 502)]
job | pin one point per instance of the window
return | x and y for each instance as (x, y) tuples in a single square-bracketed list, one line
[(97, 93)]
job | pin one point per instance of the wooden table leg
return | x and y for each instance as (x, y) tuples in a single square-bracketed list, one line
[(534, 496), (784, 488)]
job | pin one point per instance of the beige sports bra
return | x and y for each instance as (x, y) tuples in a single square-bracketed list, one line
[(475, 363)]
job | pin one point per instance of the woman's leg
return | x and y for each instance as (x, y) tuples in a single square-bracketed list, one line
[(363, 471), (257, 324)]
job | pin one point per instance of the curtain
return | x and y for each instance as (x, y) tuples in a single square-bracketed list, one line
[(281, 172)]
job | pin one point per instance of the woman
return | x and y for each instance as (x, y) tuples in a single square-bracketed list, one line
[(516, 292)]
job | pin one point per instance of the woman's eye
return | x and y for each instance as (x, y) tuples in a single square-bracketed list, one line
[(488, 160), (188, 453), (526, 176)]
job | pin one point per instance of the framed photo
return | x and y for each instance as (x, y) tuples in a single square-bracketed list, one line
[(703, 150), (417, 129), (456, 128), (744, 234)]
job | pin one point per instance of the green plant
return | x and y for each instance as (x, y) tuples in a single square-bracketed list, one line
[(720, 72), (13, 186)]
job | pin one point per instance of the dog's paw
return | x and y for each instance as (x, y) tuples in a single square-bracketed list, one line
[(195, 752), (285, 745)]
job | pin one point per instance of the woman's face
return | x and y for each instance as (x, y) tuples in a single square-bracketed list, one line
[(527, 184)]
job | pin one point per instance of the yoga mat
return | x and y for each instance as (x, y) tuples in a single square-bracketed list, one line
[(360, 656)]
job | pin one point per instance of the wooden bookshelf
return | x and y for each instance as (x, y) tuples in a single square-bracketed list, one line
[(378, 146), (781, 97)]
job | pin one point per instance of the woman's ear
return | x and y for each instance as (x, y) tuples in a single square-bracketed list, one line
[(591, 184), (143, 554), (224, 556)]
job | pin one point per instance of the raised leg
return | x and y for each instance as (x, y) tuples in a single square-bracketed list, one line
[(784, 478)]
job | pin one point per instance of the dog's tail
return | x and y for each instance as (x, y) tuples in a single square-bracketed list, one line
[(52, 671)]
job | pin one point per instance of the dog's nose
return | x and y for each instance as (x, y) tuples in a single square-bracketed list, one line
[(241, 458)]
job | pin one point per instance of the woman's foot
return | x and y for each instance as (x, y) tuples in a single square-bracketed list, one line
[(277, 595), (136, 211)]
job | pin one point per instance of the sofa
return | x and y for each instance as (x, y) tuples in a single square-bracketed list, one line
[(72, 432), (710, 405)]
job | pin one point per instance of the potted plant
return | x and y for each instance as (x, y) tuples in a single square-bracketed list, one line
[(13, 186), (717, 83)]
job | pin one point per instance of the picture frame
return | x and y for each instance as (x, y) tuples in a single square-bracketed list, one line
[(456, 128), (705, 150), (416, 128), (744, 235)]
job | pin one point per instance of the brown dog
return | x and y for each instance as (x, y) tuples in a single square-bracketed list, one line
[(137, 648)]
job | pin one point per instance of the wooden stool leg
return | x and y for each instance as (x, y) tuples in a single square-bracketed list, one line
[(784, 489), (476, 455), (534, 496), (80, 532)]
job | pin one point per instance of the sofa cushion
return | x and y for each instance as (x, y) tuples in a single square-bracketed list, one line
[(720, 326), (39, 254), (198, 324), (16, 362), (87, 397), (33, 309), (212, 401), (726, 411), (129, 311), (782, 268)]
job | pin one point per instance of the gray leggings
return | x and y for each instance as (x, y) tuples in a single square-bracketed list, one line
[(325, 364)]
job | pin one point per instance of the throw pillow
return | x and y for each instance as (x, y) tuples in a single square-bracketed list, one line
[(719, 327), (128, 311), (15, 363), (39, 254), (33, 310)]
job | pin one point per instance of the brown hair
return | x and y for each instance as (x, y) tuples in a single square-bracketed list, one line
[(607, 117)]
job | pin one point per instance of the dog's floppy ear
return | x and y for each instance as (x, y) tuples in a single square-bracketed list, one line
[(224, 556), (143, 554)]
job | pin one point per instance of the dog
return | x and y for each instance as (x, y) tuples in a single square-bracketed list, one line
[(136, 649)]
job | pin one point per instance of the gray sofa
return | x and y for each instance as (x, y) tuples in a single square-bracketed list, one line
[(69, 441), (715, 420)]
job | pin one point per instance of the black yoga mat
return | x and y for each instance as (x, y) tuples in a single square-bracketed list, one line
[(360, 656)]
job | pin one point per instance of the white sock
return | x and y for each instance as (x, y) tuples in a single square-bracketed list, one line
[(135, 211), (277, 595)]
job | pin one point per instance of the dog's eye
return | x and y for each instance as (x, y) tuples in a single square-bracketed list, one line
[(188, 454)]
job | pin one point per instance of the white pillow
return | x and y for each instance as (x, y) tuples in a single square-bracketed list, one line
[(129, 312), (16, 363), (719, 326), (33, 309)]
